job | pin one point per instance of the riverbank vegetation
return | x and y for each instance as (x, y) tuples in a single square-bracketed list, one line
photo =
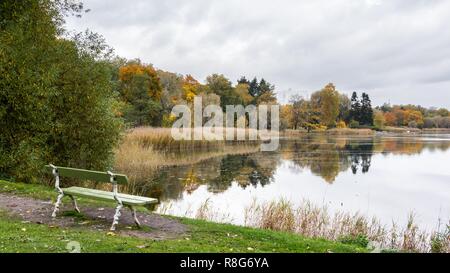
[(17, 235), (144, 150), (315, 221)]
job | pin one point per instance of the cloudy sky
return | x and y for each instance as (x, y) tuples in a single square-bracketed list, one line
[(397, 51)]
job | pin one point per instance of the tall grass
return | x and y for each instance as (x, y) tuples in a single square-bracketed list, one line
[(314, 221), (161, 139), (144, 150)]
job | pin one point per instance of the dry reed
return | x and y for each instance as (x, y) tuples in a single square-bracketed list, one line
[(317, 222)]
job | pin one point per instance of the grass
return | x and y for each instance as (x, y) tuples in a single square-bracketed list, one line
[(160, 139), (313, 221), (144, 150), (203, 236)]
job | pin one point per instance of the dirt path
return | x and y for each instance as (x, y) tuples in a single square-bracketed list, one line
[(94, 218)]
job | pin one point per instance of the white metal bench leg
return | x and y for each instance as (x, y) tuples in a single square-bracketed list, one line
[(74, 202), (136, 220), (57, 204), (116, 217)]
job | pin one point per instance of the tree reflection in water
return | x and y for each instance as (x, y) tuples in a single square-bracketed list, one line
[(325, 156)]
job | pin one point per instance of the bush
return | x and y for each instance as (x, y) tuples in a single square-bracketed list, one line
[(359, 240), (412, 124), (57, 103), (341, 125), (84, 127), (354, 124)]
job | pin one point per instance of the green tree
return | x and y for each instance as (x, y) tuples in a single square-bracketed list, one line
[(344, 108), (221, 86), (27, 45), (366, 111), (355, 109), (85, 127), (253, 88), (57, 102)]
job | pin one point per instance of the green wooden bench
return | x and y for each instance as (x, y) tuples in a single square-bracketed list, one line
[(130, 201)]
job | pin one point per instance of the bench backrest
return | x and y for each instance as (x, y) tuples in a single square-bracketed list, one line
[(88, 175)]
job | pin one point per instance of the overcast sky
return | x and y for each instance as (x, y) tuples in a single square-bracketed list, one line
[(397, 51)]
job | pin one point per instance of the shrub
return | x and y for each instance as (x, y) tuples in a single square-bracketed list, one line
[(359, 240), (57, 103), (354, 124), (341, 125)]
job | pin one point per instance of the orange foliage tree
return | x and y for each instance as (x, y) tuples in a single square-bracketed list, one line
[(128, 73)]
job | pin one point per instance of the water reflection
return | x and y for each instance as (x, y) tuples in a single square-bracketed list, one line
[(324, 156)]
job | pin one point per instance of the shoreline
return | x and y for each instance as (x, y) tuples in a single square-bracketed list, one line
[(365, 132)]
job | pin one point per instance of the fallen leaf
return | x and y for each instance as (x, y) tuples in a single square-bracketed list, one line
[(111, 233), (142, 246)]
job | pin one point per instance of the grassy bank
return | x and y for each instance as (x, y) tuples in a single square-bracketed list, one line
[(19, 236)]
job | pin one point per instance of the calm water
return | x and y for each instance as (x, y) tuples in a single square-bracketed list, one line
[(386, 177)]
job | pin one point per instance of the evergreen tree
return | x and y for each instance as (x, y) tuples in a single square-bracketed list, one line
[(253, 88), (355, 108), (243, 80), (366, 112)]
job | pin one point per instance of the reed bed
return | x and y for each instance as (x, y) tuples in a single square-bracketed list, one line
[(314, 221), (144, 150), (161, 138)]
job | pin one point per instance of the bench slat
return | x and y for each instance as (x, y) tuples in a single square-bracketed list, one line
[(126, 199), (88, 175)]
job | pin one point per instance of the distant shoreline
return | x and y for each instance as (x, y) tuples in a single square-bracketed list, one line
[(365, 131)]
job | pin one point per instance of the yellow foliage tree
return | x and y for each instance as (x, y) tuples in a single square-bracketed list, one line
[(190, 88)]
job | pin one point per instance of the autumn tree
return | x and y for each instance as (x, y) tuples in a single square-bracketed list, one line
[(242, 91), (303, 114), (327, 102), (344, 108), (141, 90), (379, 119), (191, 87)]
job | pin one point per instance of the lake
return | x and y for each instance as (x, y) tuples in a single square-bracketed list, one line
[(383, 176)]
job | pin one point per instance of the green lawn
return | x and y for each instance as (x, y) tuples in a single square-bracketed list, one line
[(19, 236)]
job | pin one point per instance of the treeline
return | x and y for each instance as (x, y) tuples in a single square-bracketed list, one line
[(327, 108), (413, 116), (148, 95)]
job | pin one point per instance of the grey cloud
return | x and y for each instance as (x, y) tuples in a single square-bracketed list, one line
[(396, 51)]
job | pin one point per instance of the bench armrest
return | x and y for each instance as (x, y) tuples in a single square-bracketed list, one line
[(56, 175), (112, 179)]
